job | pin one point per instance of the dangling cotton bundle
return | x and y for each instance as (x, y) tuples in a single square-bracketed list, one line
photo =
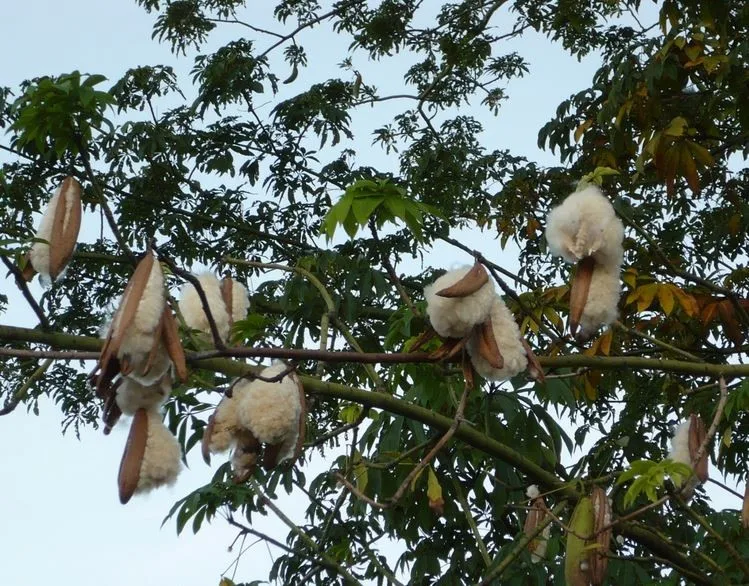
[(537, 515), (459, 300), (227, 302), (272, 412), (685, 444), (584, 229), (152, 456), (223, 427), (495, 347), (60, 225)]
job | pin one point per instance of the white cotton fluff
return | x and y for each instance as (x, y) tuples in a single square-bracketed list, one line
[(142, 331), (679, 451), (192, 308), (39, 253), (603, 297), (131, 395), (542, 542), (454, 317), (509, 342), (532, 492), (240, 301), (225, 423), (162, 460), (156, 370), (271, 411), (585, 224)]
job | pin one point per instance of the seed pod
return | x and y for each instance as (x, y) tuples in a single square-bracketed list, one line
[(577, 556), (244, 458), (696, 437), (60, 225), (745, 507), (599, 560), (536, 516), (487, 345), (132, 457), (170, 339), (579, 291)]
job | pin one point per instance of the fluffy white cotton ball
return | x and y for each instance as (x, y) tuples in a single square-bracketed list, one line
[(585, 224), (240, 301), (192, 309), (271, 411), (454, 317), (162, 460), (509, 342), (603, 297), (131, 395)]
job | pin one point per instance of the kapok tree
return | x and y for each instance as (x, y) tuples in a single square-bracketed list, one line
[(265, 174)]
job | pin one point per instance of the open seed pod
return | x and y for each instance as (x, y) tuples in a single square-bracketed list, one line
[(496, 347), (136, 330), (227, 302), (459, 300), (599, 560), (696, 437), (577, 558), (60, 225), (536, 515), (579, 291), (152, 456), (273, 412)]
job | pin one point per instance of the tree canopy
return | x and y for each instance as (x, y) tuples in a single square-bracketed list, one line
[(260, 175)]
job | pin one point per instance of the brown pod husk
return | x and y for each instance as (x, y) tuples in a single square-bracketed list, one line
[(155, 347), (270, 455), (599, 560), (579, 291), (696, 437), (28, 271), (535, 370), (487, 345), (126, 313), (302, 420), (132, 457), (536, 516), (471, 282), (745, 507), (246, 452), (111, 411), (63, 238), (170, 338)]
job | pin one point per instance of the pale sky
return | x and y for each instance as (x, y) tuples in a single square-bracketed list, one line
[(61, 520)]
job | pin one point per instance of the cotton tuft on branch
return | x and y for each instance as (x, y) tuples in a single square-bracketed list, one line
[(227, 301), (459, 300), (685, 444), (59, 226), (272, 412), (131, 395)]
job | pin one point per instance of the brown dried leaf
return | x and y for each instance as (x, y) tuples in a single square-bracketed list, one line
[(473, 280), (132, 457)]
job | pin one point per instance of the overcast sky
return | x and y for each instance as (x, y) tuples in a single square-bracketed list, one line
[(61, 519)]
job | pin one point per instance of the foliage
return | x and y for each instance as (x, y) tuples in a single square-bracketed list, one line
[(216, 177)]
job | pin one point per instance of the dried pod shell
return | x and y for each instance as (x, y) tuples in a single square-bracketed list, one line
[(132, 458), (60, 226), (745, 508), (170, 339), (244, 458), (205, 444), (696, 437), (579, 291), (577, 556), (536, 516), (487, 345), (599, 560), (471, 282)]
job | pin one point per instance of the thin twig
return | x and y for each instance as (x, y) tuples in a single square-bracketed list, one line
[(391, 271), (23, 390), (21, 283)]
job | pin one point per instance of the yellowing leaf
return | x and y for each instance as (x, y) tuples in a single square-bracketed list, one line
[(434, 492), (630, 277), (688, 303), (644, 295), (734, 224), (666, 299), (361, 474), (581, 129), (677, 126)]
